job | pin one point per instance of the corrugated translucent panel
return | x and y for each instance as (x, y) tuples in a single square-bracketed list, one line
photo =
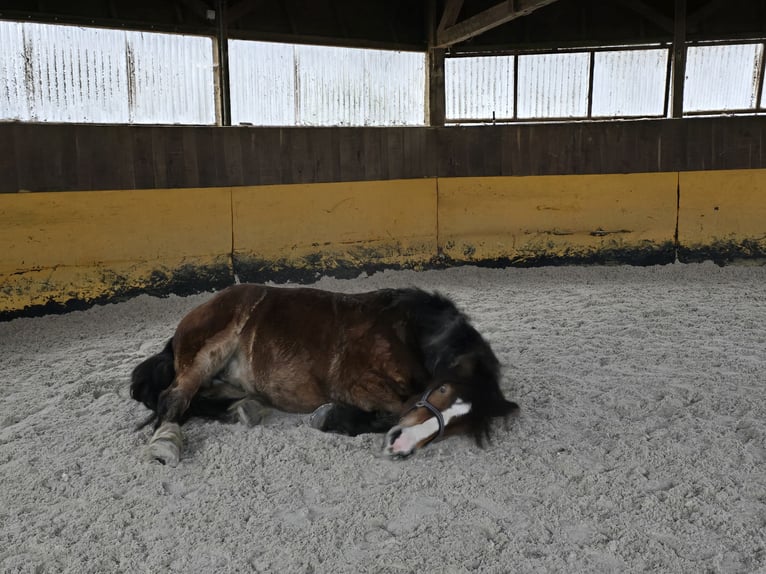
[(722, 77), (171, 79), (262, 80), (629, 83), (54, 73), (13, 101), (74, 74), (553, 85), (479, 88), (321, 85), (357, 87)]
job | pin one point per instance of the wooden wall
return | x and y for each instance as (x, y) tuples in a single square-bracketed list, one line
[(42, 157)]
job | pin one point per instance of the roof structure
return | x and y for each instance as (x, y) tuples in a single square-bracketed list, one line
[(459, 25)]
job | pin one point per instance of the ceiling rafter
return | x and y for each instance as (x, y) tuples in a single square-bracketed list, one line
[(199, 8), (706, 11), (490, 18), (240, 10), (650, 13), (451, 12)]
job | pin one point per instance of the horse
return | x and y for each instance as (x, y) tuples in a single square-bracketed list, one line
[(404, 362)]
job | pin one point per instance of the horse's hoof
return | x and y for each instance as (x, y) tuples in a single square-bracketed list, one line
[(318, 418), (250, 413), (165, 446), (164, 451)]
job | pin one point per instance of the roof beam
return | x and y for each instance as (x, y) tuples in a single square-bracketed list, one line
[(197, 7), (240, 10), (650, 13), (705, 12), (490, 18), (451, 12)]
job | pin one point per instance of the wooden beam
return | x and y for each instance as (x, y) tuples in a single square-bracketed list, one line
[(679, 59), (451, 12), (650, 13), (435, 89), (240, 9), (490, 18), (197, 7), (222, 40), (705, 12)]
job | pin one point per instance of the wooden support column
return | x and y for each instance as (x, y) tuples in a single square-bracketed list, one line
[(679, 59), (436, 91), (222, 39), (435, 96)]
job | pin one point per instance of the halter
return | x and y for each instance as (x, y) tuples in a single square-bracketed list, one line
[(423, 402)]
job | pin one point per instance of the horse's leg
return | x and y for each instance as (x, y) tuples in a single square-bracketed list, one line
[(351, 420), (248, 411), (174, 402), (228, 403)]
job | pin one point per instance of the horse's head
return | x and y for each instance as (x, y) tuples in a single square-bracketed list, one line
[(444, 409)]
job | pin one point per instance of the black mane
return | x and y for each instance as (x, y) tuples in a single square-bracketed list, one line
[(454, 352)]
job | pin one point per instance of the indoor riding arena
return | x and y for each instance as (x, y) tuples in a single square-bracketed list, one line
[(585, 180)]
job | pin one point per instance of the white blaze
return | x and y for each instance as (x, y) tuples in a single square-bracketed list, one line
[(411, 436)]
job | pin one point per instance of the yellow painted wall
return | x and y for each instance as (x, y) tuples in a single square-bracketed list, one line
[(55, 247), (722, 208), (555, 216), (373, 222), (85, 245)]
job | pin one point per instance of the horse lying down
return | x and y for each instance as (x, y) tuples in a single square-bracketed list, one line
[(400, 361)]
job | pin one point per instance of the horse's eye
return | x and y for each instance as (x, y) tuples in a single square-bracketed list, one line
[(443, 389)]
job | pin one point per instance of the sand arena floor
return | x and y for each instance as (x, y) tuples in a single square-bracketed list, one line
[(641, 444)]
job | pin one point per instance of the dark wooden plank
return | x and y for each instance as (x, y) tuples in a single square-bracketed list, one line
[(296, 165), (248, 151), (104, 157), (269, 156), (525, 135), (175, 169), (66, 149), (46, 158), (190, 162), (393, 142), (33, 156), (376, 151), (319, 144), (143, 157), (231, 157), (207, 164), (331, 157), (350, 155), (416, 161), (9, 179), (159, 158)]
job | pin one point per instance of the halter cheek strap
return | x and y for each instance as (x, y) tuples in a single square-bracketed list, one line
[(423, 402)]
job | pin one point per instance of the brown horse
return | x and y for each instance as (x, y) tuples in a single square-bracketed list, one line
[(397, 360)]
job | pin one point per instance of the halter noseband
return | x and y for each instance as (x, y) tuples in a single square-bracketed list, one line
[(423, 402)]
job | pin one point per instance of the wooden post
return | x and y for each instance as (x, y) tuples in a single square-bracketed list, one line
[(679, 59), (222, 38), (436, 89), (435, 96)]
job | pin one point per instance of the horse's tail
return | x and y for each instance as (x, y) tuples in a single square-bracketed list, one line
[(151, 377)]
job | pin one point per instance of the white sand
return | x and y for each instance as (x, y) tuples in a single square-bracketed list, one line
[(641, 445)]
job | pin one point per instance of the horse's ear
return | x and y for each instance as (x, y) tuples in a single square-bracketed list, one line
[(503, 408), (464, 365)]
